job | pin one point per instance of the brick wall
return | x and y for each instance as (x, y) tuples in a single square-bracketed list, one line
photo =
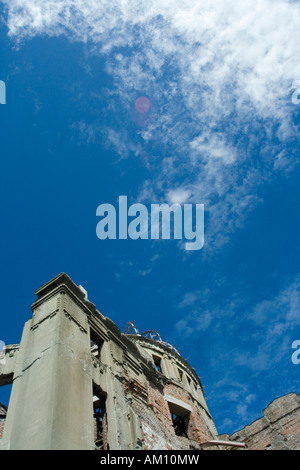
[(155, 420), (278, 429)]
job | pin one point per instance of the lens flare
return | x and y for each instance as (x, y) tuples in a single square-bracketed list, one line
[(142, 104)]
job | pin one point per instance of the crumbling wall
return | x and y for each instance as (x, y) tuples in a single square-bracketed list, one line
[(71, 357), (154, 416), (150, 404), (278, 429)]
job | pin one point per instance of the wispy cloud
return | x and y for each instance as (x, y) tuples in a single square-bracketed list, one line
[(269, 322), (218, 76), (249, 348)]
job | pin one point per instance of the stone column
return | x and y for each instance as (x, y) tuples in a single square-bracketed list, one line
[(51, 404)]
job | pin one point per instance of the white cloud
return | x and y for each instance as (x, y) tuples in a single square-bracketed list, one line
[(198, 320), (178, 196), (270, 325), (219, 75), (250, 45), (281, 312), (213, 147)]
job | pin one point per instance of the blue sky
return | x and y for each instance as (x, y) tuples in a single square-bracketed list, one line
[(222, 130)]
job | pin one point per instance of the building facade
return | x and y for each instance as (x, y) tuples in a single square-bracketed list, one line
[(81, 384)]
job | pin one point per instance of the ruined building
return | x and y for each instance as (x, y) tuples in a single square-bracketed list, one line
[(79, 383)]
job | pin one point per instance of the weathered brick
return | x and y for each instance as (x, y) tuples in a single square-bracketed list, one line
[(278, 429)]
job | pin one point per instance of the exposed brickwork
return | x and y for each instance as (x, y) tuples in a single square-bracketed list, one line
[(154, 416), (197, 430), (150, 405), (278, 429), (130, 391)]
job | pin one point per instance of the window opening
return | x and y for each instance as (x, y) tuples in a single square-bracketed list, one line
[(100, 421), (157, 362), (96, 345), (179, 425), (180, 419)]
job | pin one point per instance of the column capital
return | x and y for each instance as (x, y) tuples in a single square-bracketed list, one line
[(63, 283)]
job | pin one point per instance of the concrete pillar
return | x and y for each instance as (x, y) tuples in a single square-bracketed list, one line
[(51, 399), (169, 367)]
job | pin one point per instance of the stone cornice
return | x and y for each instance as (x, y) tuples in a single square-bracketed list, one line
[(61, 283)]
